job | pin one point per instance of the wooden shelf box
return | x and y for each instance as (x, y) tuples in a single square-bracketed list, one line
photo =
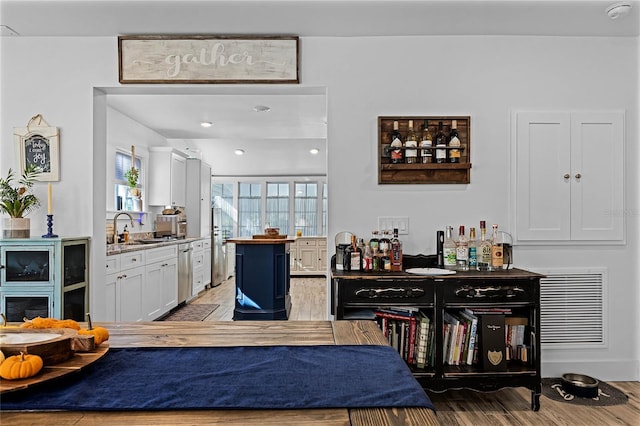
[(431, 173)]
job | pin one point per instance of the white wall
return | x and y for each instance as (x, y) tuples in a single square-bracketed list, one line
[(484, 77)]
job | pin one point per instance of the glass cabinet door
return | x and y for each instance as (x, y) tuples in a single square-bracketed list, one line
[(26, 265), (18, 307)]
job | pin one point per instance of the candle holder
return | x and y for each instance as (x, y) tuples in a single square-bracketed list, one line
[(49, 233)]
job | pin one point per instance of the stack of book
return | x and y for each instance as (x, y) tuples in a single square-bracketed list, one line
[(411, 332), (460, 334)]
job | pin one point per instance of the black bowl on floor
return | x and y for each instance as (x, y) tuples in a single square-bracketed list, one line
[(580, 385)]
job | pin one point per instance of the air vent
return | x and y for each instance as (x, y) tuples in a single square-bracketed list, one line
[(573, 308)]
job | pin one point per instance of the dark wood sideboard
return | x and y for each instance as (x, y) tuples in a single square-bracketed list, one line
[(356, 295)]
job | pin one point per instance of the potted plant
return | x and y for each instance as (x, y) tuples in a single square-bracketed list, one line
[(18, 201), (132, 178)]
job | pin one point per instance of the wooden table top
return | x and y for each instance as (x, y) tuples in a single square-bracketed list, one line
[(238, 333)]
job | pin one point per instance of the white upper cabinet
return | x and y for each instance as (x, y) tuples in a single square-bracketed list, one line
[(167, 177), (569, 176)]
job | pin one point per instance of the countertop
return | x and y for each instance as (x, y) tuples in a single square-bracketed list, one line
[(113, 249)]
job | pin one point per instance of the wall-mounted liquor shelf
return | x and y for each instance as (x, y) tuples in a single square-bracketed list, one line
[(425, 169)]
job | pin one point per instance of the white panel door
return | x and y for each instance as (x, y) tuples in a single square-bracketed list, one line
[(597, 176), (543, 181)]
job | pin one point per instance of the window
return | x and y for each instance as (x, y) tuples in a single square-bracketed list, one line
[(249, 209), (223, 199), (277, 211), (306, 208), (126, 199)]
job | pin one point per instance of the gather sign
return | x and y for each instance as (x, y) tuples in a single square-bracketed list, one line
[(208, 59)]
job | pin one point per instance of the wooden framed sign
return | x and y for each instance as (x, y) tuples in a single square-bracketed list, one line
[(208, 59), (38, 144)]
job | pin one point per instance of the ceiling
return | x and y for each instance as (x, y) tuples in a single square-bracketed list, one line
[(311, 18), (297, 120)]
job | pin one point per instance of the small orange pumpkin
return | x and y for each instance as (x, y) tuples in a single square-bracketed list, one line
[(100, 334), (20, 366)]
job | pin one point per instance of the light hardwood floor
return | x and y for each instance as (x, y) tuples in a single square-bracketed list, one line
[(454, 407)]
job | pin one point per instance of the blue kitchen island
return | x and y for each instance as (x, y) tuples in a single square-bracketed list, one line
[(262, 278)]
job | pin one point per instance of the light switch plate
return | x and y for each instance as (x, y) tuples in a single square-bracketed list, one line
[(391, 222)]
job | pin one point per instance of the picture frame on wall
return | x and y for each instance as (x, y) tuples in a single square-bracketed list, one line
[(208, 59), (38, 144)]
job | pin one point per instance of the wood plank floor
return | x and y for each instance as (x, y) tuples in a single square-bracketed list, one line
[(454, 407)]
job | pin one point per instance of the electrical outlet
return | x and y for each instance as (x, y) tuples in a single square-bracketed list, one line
[(391, 222)]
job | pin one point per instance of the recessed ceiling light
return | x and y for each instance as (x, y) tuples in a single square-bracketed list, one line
[(206, 123), (619, 10), (239, 152), (261, 108), (314, 151)]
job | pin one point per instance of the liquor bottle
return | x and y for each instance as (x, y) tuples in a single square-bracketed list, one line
[(473, 249), (353, 258), (449, 249), (496, 249), (426, 142), (462, 251), (396, 252), (385, 259), (385, 242), (454, 141), (374, 242), (441, 142), (396, 145), (484, 256), (411, 155), (367, 264)]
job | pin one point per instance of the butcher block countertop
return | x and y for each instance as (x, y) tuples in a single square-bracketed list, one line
[(239, 333)]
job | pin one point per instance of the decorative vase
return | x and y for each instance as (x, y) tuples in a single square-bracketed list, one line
[(16, 227)]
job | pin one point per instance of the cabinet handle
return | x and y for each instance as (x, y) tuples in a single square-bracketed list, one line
[(578, 175), (567, 176)]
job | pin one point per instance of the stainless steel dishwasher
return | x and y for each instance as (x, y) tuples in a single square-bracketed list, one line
[(185, 272)]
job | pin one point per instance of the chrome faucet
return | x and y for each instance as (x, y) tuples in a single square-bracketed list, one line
[(115, 225)]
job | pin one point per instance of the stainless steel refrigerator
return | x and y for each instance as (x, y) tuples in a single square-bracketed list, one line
[(218, 255)]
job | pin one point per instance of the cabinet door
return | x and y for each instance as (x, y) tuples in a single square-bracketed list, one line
[(111, 305), (308, 259), (322, 259), (152, 306), (597, 176), (170, 284), (130, 294), (542, 190), (207, 266), (205, 202), (293, 258), (178, 180)]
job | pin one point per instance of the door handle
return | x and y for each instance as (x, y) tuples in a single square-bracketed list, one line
[(567, 176), (578, 175)]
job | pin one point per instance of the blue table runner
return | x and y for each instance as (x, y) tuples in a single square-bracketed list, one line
[(242, 377)]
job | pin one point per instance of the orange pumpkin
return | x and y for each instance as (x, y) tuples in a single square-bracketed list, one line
[(100, 334), (20, 366)]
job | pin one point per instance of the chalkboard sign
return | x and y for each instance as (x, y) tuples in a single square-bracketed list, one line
[(38, 145), (37, 151)]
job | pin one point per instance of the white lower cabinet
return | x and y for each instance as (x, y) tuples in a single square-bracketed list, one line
[(308, 256), (207, 262), (131, 295), (197, 264), (141, 285)]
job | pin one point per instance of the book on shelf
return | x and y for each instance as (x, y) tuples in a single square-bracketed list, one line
[(423, 337), (473, 332)]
